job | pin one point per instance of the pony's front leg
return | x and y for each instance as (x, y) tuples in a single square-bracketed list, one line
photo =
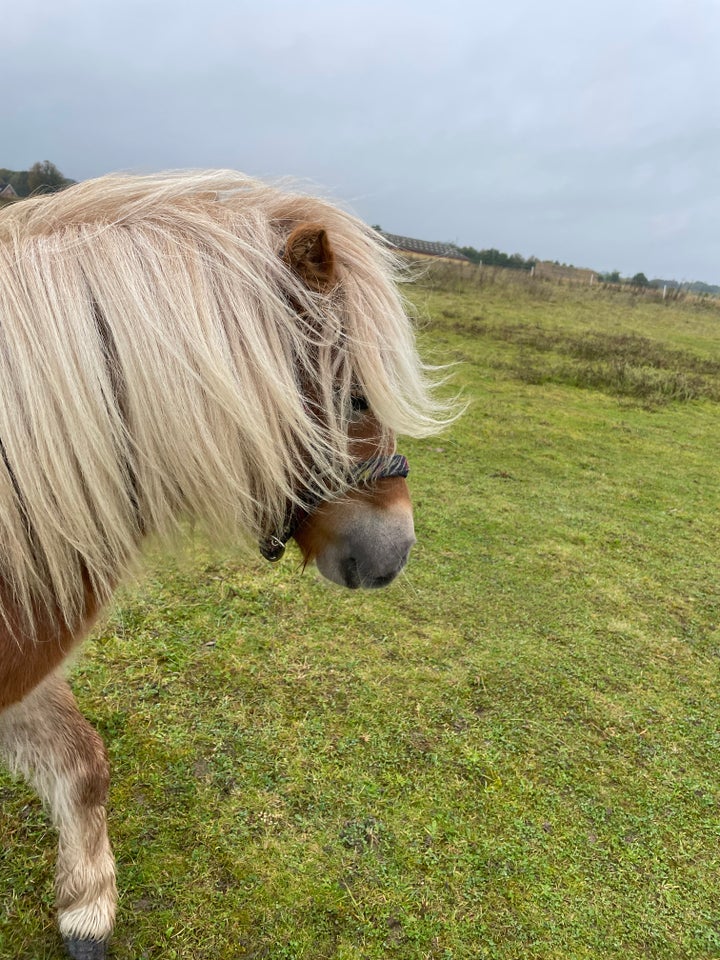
[(45, 738)]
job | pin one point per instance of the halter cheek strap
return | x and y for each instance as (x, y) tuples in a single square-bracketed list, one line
[(363, 474)]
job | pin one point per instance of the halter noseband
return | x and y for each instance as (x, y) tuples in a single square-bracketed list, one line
[(363, 474)]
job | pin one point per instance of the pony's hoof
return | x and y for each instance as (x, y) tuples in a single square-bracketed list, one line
[(86, 949)]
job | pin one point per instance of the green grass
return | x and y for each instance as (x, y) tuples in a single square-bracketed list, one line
[(511, 753)]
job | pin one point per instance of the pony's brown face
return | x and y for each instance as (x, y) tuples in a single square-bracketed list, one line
[(364, 538)]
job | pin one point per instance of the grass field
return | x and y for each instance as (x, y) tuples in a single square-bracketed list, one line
[(511, 753)]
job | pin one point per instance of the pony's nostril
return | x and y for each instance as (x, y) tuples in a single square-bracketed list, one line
[(351, 573)]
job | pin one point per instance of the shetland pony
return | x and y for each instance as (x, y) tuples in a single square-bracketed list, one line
[(199, 347)]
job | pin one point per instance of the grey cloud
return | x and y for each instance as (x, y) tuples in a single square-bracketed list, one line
[(588, 135)]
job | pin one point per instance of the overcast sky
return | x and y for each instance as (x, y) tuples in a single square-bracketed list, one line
[(585, 133)]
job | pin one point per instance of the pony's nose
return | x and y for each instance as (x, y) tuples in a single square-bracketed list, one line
[(370, 548)]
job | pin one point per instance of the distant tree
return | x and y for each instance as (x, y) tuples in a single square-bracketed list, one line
[(472, 254), (19, 181), (376, 226), (44, 175), (639, 280)]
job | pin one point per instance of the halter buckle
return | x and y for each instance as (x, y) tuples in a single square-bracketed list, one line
[(272, 549)]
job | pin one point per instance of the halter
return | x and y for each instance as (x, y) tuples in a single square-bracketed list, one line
[(363, 474)]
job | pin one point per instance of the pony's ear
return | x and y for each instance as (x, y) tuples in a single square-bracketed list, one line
[(309, 254)]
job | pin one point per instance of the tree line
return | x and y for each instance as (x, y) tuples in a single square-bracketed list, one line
[(640, 280), (496, 258), (515, 261), (42, 177)]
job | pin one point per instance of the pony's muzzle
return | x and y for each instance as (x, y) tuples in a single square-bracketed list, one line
[(370, 553)]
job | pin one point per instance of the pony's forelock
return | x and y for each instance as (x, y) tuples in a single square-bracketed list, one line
[(160, 361)]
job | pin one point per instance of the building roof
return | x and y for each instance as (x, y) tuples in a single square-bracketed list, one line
[(427, 248)]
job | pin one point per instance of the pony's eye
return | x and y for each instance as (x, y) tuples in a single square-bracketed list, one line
[(359, 403)]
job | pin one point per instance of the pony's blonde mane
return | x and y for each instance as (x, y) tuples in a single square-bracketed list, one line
[(160, 361)]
